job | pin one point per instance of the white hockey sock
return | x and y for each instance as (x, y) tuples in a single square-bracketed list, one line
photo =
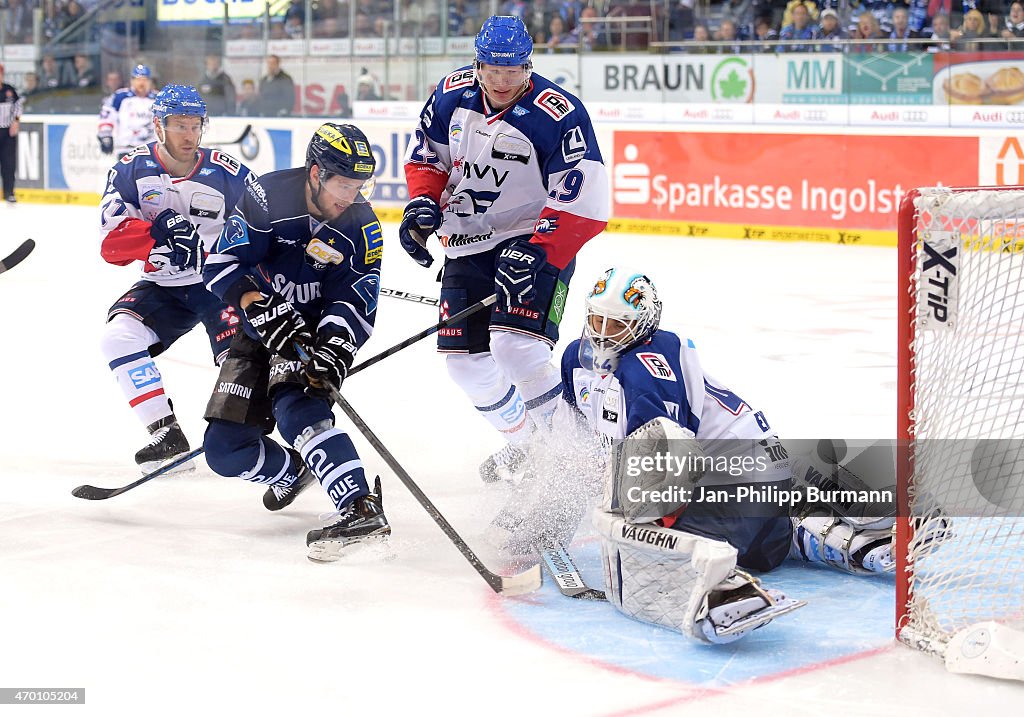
[(492, 394), (125, 345), (527, 362)]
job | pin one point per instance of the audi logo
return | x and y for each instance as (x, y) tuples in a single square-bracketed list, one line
[(815, 115), (1016, 116), (915, 116), (720, 113)]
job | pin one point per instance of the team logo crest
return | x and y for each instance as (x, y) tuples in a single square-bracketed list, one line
[(602, 284)]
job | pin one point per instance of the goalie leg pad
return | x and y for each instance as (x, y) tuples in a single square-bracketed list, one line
[(682, 581)]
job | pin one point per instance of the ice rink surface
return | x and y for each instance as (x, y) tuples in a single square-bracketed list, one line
[(185, 596)]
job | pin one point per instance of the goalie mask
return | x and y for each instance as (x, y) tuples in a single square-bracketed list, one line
[(623, 311)]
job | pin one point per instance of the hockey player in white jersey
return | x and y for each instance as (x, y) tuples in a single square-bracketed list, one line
[(126, 118), (505, 168), (165, 205), (677, 536)]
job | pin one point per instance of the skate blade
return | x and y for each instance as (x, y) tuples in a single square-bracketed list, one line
[(153, 466), (372, 547), (762, 618)]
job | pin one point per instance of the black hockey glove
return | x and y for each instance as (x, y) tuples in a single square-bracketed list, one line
[(177, 242), (422, 216), (330, 361), (279, 326), (515, 273), (106, 144)]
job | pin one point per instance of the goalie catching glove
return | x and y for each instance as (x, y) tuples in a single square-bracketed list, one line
[(328, 365), (278, 325), (177, 242), (421, 218)]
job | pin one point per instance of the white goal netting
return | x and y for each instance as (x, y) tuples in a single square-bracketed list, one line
[(962, 409)]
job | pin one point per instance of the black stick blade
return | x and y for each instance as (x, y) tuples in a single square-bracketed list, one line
[(91, 492), (18, 255)]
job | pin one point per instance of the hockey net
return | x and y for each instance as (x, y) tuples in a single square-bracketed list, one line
[(961, 414)]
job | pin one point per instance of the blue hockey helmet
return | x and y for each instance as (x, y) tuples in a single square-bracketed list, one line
[(142, 71), (178, 100), (503, 40)]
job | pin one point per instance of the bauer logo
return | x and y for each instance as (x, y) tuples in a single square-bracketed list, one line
[(938, 283)]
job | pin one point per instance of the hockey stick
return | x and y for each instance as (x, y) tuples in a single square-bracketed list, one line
[(241, 138), (561, 567), (18, 255), (399, 294), (90, 492), (526, 581)]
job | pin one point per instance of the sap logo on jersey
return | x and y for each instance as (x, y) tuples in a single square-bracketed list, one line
[(144, 375)]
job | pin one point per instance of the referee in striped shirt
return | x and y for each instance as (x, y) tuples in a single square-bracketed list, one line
[(10, 113)]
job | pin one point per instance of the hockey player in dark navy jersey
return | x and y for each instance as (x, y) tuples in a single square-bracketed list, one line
[(300, 256), (165, 205)]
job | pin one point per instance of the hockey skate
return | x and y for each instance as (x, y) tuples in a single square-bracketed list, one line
[(281, 496), (360, 521), (503, 465), (167, 443)]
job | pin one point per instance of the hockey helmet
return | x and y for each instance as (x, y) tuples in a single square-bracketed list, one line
[(178, 100), (341, 149), (142, 71), (623, 311), (504, 40)]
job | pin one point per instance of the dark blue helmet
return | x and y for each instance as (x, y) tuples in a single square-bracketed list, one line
[(142, 71), (178, 100), (341, 149), (504, 40)]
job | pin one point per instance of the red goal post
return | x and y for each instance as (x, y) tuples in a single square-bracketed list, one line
[(960, 422)]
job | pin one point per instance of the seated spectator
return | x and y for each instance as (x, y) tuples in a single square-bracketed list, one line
[(701, 36), (764, 32), (29, 89), (830, 29), (727, 33), (867, 29), (901, 31), (801, 29), (940, 40), (364, 26), (1014, 30), (809, 5), (965, 39), (991, 17), (328, 27), (294, 28), (217, 88), (328, 10), (248, 100), (83, 74), (51, 74), (592, 33), (558, 39)]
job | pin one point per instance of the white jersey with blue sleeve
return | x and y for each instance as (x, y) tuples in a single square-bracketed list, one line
[(127, 119), (663, 377), (139, 188)]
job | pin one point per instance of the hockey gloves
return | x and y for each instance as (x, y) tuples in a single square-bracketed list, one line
[(106, 144), (279, 326), (177, 242), (515, 273), (422, 216), (330, 361)]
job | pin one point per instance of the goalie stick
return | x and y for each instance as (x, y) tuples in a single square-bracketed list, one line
[(18, 255), (91, 492), (564, 572), (524, 582), (224, 143)]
